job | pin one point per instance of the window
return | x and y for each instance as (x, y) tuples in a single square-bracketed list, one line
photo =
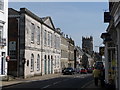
[(55, 40), (51, 40), (55, 62), (45, 37), (1, 35), (38, 35), (48, 39), (12, 50), (58, 62), (58, 43), (32, 32), (32, 62), (38, 62), (1, 4)]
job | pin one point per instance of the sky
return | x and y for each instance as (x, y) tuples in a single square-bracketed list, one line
[(76, 19)]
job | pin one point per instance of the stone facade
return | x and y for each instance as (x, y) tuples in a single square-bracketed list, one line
[(87, 44), (64, 52), (71, 47), (37, 44)]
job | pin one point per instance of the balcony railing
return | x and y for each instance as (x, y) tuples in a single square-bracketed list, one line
[(3, 42)]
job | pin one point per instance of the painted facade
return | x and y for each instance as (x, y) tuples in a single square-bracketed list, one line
[(111, 40), (3, 36), (38, 45)]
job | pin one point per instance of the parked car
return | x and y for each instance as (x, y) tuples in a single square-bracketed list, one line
[(77, 70), (89, 70), (83, 71), (68, 70)]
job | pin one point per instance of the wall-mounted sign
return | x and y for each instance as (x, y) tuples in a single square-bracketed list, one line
[(107, 17)]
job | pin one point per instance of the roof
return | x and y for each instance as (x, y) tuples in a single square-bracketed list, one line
[(79, 50), (12, 11), (87, 55), (47, 20)]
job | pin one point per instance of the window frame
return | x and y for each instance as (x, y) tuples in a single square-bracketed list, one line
[(38, 35), (32, 32), (32, 62), (45, 37)]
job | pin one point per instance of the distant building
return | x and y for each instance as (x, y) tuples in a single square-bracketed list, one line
[(3, 36), (97, 57), (78, 56), (87, 44), (71, 47), (87, 60), (64, 51)]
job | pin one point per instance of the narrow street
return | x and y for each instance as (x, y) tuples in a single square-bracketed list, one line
[(76, 81)]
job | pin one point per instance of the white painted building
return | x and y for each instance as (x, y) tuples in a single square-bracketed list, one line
[(38, 47), (3, 36), (50, 47)]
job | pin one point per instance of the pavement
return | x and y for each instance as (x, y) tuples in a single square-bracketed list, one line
[(44, 77)]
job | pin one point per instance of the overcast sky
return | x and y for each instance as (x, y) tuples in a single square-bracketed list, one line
[(76, 19)]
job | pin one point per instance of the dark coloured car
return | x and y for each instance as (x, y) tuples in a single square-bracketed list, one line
[(68, 70), (89, 70)]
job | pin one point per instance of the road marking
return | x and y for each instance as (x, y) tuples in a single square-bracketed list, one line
[(30, 81), (46, 86), (87, 84), (56, 82)]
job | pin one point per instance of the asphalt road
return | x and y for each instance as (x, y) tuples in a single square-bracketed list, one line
[(76, 81)]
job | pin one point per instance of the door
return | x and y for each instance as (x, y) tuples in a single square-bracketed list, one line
[(48, 66), (45, 66)]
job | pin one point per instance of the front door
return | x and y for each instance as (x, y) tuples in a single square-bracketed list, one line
[(48, 66), (51, 66), (45, 67)]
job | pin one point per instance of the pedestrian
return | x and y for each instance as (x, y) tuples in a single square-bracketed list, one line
[(96, 73)]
